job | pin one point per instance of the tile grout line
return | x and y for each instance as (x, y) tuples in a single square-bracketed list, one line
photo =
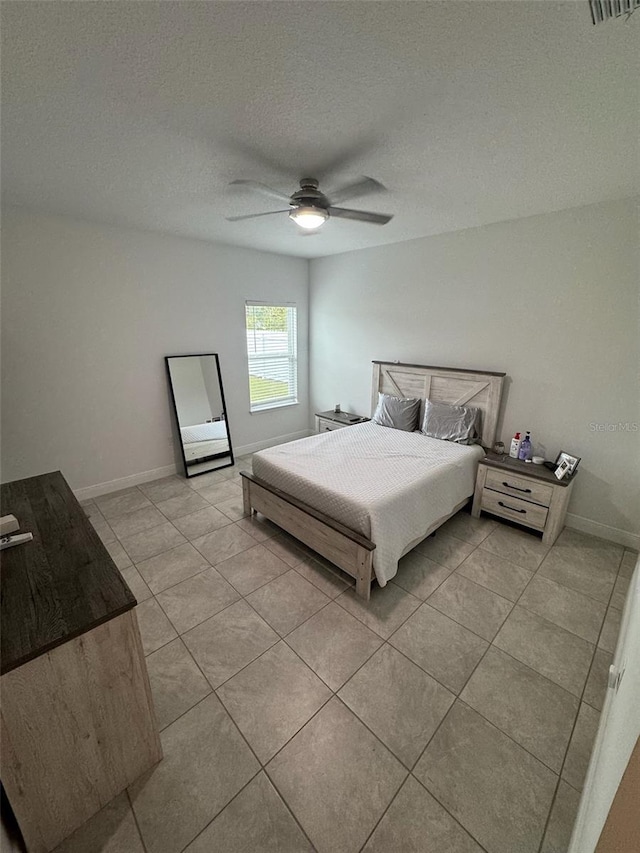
[(384, 639), (457, 695), (195, 663), (362, 723), (335, 692), (367, 726), (421, 668), (540, 674), (410, 775), (379, 821), (263, 765), (184, 580), (235, 796), (282, 636), (435, 795), (135, 817), (253, 660)]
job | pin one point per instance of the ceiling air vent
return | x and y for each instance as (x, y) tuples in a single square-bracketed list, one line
[(602, 10)]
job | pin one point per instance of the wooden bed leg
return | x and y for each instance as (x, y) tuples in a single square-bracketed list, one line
[(246, 496), (477, 495), (365, 573)]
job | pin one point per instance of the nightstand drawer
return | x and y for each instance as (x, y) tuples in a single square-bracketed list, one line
[(515, 509), (510, 484), (328, 426)]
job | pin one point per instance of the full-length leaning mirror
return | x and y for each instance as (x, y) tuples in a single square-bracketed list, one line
[(201, 416)]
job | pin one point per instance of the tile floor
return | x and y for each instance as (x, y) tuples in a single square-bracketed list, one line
[(453, 713)]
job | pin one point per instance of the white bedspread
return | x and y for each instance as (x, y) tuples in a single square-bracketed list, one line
[(389, 485), (203, 432)]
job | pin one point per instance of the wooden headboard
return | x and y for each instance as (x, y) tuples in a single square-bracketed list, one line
[(477, 388)]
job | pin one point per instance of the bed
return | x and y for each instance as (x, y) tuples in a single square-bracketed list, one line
[(201, 441), (365, 495)]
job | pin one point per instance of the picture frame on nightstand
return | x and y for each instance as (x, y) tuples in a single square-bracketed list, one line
[(566, 464)]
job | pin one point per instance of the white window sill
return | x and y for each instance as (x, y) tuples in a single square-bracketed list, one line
[(273, 406)]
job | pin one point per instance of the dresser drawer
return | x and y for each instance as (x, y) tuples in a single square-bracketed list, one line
[(519, 487), (514, 508)]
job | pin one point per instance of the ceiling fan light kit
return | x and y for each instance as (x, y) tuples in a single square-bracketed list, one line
[(310, 208), (308, 216)]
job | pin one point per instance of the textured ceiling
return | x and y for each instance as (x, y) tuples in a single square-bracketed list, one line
[(141, 113)]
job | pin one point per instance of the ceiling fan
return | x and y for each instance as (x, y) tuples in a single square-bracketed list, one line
[(310, 208)]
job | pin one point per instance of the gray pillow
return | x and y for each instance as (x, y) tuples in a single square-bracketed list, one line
[(397, 412), (451, 423)]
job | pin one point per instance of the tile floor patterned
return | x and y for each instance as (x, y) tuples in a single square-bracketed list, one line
[(453, 713)]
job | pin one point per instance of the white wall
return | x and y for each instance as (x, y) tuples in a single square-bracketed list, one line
[(88, 314), (552, 300)]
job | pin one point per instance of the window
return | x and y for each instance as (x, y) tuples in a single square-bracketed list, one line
[(272, 350)]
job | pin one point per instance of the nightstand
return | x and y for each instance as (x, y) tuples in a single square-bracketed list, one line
[(528, 494), (327, 421)]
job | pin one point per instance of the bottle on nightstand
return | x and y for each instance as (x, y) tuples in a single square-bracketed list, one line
[(516, 441), (524, 454)]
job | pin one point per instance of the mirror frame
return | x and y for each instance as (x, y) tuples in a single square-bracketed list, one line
[(188, 475)]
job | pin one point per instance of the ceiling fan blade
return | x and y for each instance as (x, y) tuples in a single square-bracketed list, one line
[(254, 215), (260, 188), (360, 215), (365, 186)]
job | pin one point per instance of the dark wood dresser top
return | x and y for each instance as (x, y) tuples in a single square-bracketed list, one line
[(62, 584)]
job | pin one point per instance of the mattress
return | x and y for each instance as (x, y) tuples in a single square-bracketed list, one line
[(389, 485), (203, 432), (202, 449)]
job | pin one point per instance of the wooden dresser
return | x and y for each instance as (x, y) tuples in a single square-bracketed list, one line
[(77, 716)]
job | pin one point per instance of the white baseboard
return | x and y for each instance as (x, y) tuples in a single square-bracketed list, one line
[(271, 442), (89, 492), (604, 531)]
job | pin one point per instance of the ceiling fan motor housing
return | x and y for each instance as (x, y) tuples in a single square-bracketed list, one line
[(310, 195)]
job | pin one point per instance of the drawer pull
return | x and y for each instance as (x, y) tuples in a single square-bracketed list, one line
[(509, 486), (512, 508)]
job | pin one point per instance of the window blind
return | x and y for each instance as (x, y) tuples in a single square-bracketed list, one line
[(272, 353), (603, 10)]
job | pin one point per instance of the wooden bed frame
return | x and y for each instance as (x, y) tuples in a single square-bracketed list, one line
[(344, 547)]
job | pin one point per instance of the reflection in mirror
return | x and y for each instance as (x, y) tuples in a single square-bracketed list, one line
[(201, 416)]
